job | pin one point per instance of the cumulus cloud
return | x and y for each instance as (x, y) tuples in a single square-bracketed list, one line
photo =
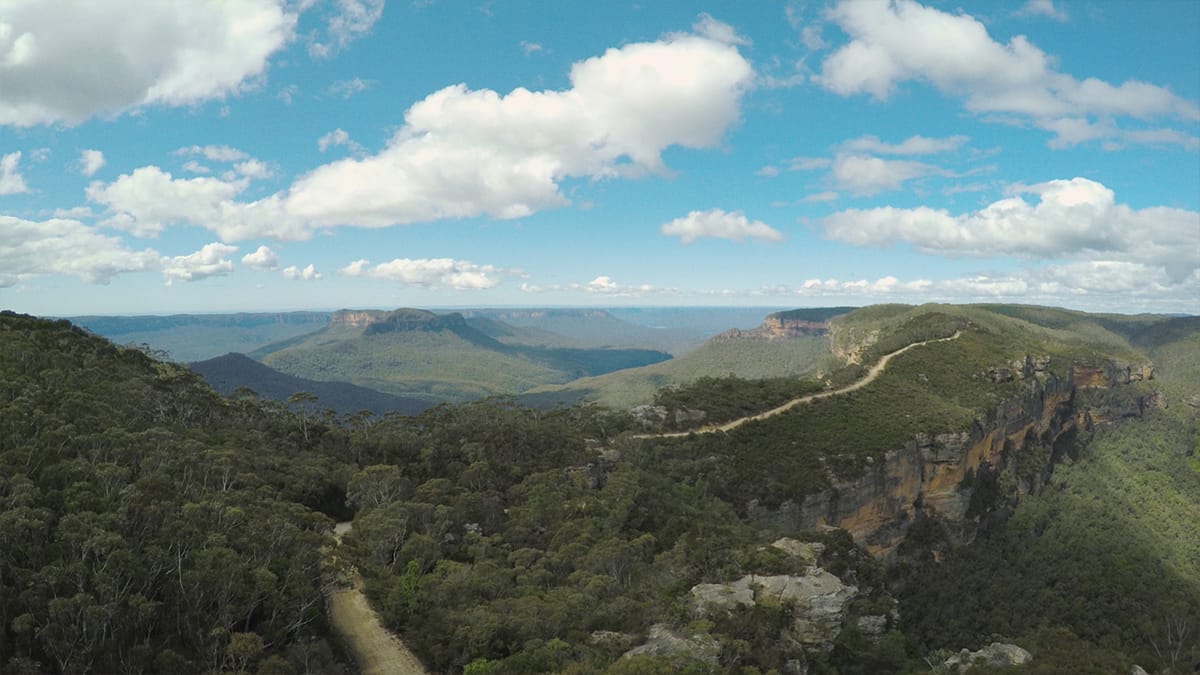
[(718, 224), (209, 261), (601, 285), (865, 175), (430, 272), (1076, 218), (902, 40), (345, 22), (90, 161), (149, 199), (261, 259), (464, 153), (68, 60), (719, 31), (213, 153), (1095, 285), (192, 166), (915, 145), (65, 246), (309, 273), (11, 180), (338, 137), (1043, 8)]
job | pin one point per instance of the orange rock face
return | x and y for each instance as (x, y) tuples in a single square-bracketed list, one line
[(934, 474)]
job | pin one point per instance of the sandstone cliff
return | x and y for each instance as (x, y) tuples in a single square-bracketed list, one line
[(356, 318), (968, 480)]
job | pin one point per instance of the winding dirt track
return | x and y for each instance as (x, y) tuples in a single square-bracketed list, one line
[(377, 651), (870, 377)]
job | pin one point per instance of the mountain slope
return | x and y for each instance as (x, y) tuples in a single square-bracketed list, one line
[(436, 357), (226, 374), (787, 344)]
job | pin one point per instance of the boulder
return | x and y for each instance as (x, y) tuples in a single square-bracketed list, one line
[(663, 641), (997, 654)]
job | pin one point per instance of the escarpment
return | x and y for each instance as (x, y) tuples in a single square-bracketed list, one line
[(972, 479)]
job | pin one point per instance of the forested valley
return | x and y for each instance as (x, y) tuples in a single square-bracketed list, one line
[(149, 525)]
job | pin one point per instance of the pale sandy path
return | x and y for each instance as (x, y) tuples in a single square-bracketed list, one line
[(377, 651), (870, 377)]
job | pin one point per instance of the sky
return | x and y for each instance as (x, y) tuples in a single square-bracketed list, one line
[(266, 155)]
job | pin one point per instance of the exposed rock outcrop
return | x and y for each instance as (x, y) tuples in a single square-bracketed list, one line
[(948, 477), (355, 318), (775, 327), (664, 641), (996, 655), (819, 599)]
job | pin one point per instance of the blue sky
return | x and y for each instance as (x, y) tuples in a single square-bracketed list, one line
[(292, 154)]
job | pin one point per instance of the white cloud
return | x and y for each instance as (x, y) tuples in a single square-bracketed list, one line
[(11, 180), (601, 285), (149, 199), (65, 246), (209, 261), (90, 161), (68, 60), (820, 197), (718, 224), (871, 175), (464, 153), (192, 166), (261, 259), (810, 37), (808, 163), (900, 41), (348, 21), (1096, 285), (531, 47), (253, 169), (429, 272), (768, 171), (288, 93), (719, 31), (348, 88), (915, 145), (74, 213), (1043, 8), (309, 273), (1075, 218), (338, 137), (213, 153)]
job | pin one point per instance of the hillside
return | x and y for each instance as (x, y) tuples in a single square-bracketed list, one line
[(1012, 475), (231, 372), (196, 337), (788, 344), (438, 357), (149, 525)]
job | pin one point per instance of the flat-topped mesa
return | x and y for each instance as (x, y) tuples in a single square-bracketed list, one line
[(779, 325), (381, 321)]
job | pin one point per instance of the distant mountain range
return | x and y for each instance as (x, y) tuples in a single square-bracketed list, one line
[(195, 337), (441, 357), (231, 372)]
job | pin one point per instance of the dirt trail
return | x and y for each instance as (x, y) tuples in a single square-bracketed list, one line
[(870, 377), (377, 651)]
